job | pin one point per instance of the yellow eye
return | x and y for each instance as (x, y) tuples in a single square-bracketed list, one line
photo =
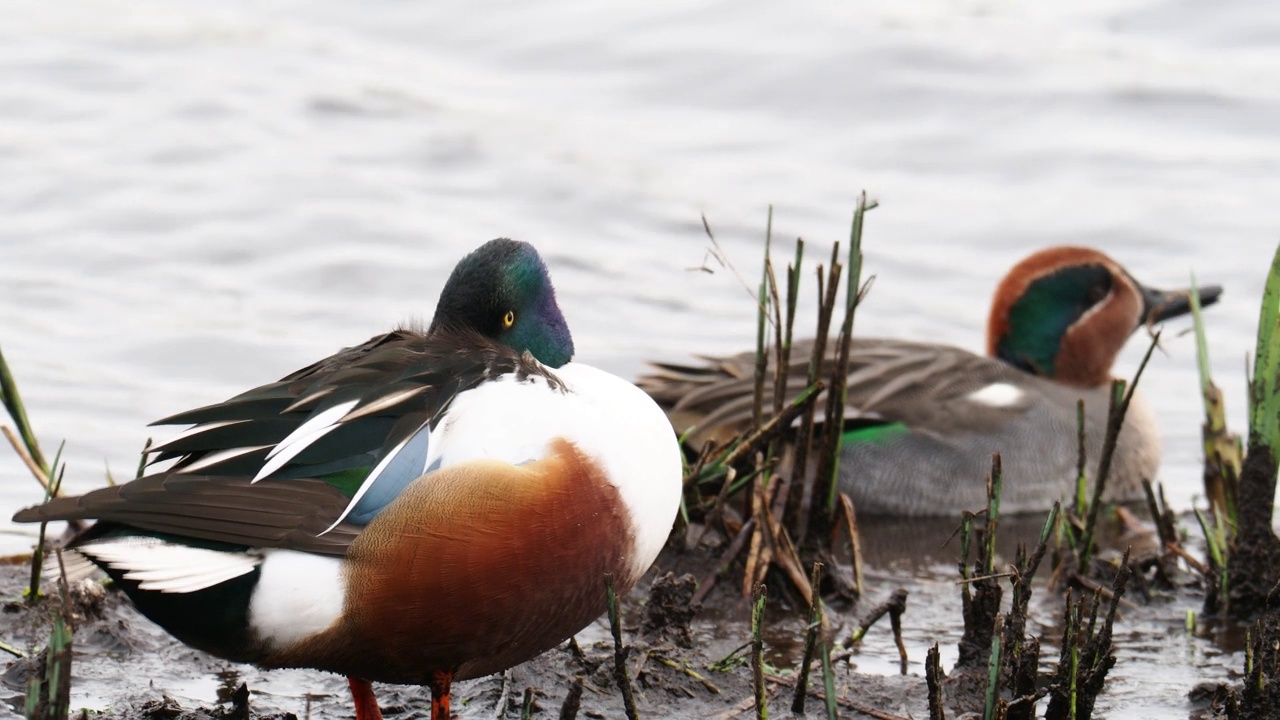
[(509, 319)]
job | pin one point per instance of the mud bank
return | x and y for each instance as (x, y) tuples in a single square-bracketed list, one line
[(683, 664)]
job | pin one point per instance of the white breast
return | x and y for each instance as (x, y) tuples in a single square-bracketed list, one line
[(607, 417)]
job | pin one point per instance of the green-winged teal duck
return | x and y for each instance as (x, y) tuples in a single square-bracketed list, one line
[(922, 420)]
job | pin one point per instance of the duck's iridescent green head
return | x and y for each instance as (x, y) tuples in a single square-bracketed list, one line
[(502, 290), (1066, 312)]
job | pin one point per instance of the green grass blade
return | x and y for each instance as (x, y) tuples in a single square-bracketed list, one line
[(12, 402), (1264, 406)]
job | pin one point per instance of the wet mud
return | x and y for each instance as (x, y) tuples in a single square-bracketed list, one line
[(684, 661)]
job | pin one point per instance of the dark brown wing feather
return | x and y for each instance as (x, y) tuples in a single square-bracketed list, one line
[(398, 382), (270, 514)]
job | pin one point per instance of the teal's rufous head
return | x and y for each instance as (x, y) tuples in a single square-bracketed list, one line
[(1066, 312)]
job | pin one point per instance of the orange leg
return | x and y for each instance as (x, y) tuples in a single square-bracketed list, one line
[(366, 703), (440, 683)]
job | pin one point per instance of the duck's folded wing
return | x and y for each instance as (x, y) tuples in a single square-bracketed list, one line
[(360, 401), (921, 385), (291, 514), (361, 419)]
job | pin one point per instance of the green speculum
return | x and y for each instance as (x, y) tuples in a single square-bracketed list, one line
[(873, 434), (347, 481)]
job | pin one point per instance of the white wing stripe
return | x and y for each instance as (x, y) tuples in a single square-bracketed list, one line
[(283, 457), (384, 402), (217, 457), (168, 567), (192, 432), (327, 419)]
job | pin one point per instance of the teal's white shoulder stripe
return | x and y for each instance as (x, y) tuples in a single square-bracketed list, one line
[(998, 395)]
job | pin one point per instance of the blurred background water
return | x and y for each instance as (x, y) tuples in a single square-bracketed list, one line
[(200, 197)]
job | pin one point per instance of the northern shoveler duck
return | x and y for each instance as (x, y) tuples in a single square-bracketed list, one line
[(425, 507), (922, 420)]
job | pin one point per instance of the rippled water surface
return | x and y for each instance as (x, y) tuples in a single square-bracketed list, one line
[(198, 197)]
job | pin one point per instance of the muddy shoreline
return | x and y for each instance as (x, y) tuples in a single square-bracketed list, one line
[(128, 668)]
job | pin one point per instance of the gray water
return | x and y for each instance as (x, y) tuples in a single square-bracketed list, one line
[(200, 197)]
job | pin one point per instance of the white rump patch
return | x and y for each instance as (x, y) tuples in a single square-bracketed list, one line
[(298, 595), (168, 567), (998, 395)]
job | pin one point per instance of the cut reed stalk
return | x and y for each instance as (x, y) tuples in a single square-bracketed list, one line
[(812, 634), (829, 682), (757, 651), (572, 700), (1223, 453), (619, 653), (526, 706), (933, 679)]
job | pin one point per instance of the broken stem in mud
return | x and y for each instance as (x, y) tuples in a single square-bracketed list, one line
[(49, 692), (855, 542), (1223, 453), (829, 682), (894, 607), (572, 701), (811, 636), (526, 706), (619, 653), (1087, 652), (1022, 653), (1161, 515), (500, 707), (933, 678), (757, 651), (995, 488), (991, 707), (1166, 522)]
